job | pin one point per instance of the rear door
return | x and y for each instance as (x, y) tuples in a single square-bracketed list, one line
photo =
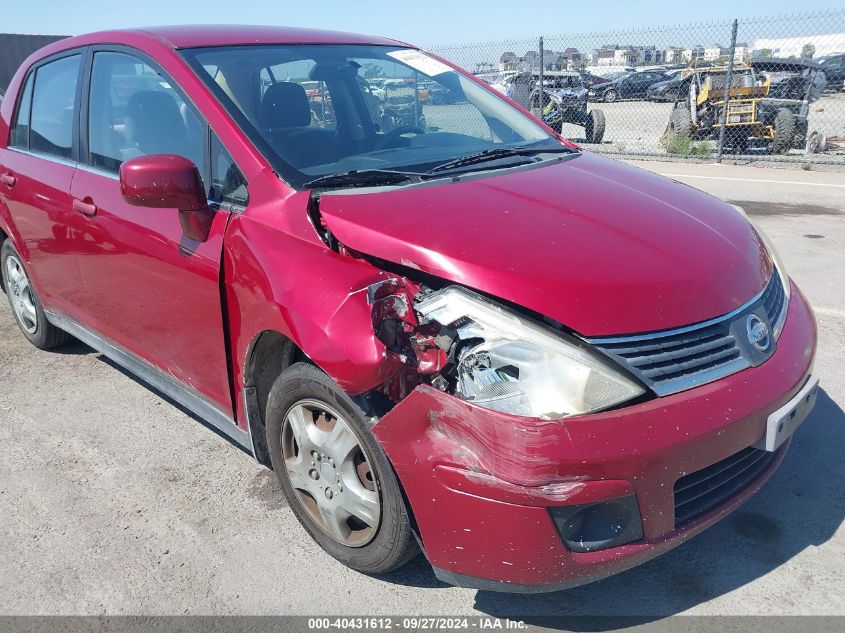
[(37, 169), (147, 287), (635, 85)]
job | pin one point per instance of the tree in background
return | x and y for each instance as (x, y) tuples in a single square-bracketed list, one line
[(808, 51)]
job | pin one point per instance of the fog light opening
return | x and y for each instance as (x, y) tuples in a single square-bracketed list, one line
[(597, 526)]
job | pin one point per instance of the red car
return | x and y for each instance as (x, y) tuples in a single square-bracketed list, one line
[(537, 365)]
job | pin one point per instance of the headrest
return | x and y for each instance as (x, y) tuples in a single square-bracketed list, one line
[(154, 122), (285, 105)]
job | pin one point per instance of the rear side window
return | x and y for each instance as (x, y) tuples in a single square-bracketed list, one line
[(133, 111), (20, 129), (53, 113)]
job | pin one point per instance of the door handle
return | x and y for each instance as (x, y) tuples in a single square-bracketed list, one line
[(8, 179), (85, 208)]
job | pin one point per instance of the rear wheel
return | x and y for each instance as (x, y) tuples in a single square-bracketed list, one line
[(334, 474), (680, 123), (595, 127), (784, 128), (25, 304)]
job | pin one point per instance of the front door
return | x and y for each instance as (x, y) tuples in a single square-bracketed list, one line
[(147, 287)]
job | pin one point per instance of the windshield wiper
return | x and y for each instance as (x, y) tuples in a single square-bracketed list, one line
[(499, 152), (363, 178)]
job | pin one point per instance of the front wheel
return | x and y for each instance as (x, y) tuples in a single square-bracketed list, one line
[(334, 474), (784, 132), (610, 96), (25, 304)]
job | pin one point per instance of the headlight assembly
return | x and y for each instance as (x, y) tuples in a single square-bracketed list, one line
[(510, 364)]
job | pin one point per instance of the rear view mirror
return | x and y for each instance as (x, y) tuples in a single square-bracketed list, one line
[(168, 181)]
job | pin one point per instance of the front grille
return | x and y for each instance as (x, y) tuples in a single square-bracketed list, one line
[(706, 488), (675, 360), (773, 299)]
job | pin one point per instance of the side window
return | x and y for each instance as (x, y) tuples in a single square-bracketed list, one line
[(227, 181), (52, 114), (20, 130), (133, 111)]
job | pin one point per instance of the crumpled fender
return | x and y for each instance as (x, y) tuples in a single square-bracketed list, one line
[(279, 276)]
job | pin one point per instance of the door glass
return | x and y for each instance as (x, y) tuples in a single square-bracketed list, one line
[(53, 107), (20, 131), (135, 111)]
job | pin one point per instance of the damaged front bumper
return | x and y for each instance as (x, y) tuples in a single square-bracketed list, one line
[(485, 487)]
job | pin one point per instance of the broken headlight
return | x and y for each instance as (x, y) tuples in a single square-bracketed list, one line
[(506, 363)]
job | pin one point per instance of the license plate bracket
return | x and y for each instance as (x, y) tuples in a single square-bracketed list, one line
[(782, 423)]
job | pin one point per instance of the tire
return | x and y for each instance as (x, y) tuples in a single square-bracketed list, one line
[(595, 129), (611, 95), (24, 302), (323, 483), (784, 125), (680, 124)]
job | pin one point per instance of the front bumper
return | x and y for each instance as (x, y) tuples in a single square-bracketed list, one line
[(480, 483)]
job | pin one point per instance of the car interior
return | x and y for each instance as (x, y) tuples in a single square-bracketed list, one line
[(316, 110)]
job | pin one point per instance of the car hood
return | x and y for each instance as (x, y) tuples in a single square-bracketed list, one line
[(600, 246)]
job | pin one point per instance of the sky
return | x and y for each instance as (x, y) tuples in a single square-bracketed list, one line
[(423, 22)]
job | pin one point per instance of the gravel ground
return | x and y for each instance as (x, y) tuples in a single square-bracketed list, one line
[(113, 501)]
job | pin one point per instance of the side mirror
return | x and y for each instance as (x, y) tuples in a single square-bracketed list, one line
[(168, 181)]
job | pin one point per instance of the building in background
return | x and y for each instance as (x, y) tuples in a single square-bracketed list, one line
[(820, 45), (14, 48)]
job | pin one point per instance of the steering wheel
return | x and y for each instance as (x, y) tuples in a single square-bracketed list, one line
[(395, 133)]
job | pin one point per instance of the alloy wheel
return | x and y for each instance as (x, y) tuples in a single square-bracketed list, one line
[(330, 473), (20, 294)]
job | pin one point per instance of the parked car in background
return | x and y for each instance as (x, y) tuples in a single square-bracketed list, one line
[(628, 86), (834, 71), (537, 364), (589, 80), (664, 90)]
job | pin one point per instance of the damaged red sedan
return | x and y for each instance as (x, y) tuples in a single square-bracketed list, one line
[(444, 327)]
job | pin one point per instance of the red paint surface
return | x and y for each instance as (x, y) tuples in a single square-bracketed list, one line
[(600, 246), (151, 289), (162, 181)]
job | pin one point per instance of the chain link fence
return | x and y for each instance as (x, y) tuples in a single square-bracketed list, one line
[(757, 89)]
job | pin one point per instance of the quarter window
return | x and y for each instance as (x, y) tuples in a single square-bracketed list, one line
[(20, 130), (53, 110), (134, 111), (227, 182)]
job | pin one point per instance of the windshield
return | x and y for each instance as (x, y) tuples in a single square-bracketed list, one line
[(319, 110)]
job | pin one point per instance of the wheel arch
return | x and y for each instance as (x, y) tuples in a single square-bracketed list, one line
[(268, 355)]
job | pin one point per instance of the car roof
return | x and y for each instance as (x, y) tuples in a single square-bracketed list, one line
[(193, 36)]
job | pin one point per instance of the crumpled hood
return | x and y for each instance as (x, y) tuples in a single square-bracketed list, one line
[(600, 246)]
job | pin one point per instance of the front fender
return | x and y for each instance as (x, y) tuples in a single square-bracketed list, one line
[(276, 280)]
